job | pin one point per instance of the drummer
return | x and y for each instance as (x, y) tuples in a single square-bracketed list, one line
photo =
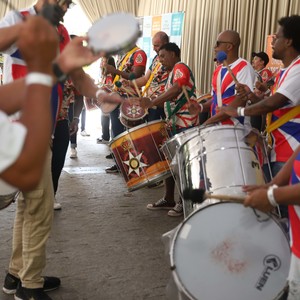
[(179, 91), (284, 189), (133, 63)]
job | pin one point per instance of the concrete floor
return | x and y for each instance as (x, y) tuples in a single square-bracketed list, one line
[(104, 244)]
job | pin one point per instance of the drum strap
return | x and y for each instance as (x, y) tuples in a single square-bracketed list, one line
[(124, 61), (153, 73), (279, 122), (219, 93)]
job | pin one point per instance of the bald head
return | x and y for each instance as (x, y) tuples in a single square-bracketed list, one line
[(160, 38), (230, 36)]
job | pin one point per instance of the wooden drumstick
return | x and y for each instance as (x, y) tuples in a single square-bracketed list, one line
[(132, 79), (120, 86), (199, 195), (221, 57), (186, 93)]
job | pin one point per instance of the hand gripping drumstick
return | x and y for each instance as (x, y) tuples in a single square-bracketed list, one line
[(120, 86), (221, 57), (199, 195), (132, 79)]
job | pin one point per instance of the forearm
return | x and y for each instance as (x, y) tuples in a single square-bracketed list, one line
[(169, 95), (219, 117), (84, 83), (36, 117), (288, 195), (9, 36)]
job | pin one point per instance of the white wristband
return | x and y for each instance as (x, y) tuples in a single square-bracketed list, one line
[(39, 78), (99, 92), (270, 194), (201, 107), (240, 111)]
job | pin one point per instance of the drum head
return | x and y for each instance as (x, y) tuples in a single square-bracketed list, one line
[(222, 252), (114, 33)]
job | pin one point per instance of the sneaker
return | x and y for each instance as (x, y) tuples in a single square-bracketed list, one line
[(73, 153), (84, 133), (57, 205), (30, 294), (11, 283), (161, 204), (112, 169), (176, 211), (102, 141), (109, 156)]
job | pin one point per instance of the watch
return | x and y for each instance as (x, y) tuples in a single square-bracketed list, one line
[(59, 74)]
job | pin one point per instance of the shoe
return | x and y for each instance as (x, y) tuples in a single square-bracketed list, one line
[(161, 204), (57, 205), (11, 284), (156, 184), (176, 211), (73, 153), (109, 156), (30, 294), (102, 141), (84, 133), (112, 169)]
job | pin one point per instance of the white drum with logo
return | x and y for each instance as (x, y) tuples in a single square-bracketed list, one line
[(225, 251)]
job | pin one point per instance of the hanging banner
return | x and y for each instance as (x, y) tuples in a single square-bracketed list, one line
[(171, 24)]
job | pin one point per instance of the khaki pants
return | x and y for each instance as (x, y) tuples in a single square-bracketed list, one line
[(32, 227)]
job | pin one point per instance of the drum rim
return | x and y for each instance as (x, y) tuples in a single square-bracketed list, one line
[(120, 47), (129, 130), (173, 267)]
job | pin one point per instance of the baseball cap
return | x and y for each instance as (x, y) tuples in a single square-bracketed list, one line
[(263, 55)]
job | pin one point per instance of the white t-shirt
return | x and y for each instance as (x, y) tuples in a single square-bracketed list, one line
[(12, 137)]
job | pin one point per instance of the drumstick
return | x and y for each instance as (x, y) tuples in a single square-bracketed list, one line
[(199, 195), (156, 89), (120, 86), (132, 79), (221, 57)]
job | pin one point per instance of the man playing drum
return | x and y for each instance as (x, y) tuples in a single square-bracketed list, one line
[(179, 92)]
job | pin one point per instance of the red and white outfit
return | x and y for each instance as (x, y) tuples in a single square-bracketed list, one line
[(286, 138), (176, 110), (224, 86), (294, 215)]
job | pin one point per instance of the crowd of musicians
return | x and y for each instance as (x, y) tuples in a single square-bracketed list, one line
[(39, 84)]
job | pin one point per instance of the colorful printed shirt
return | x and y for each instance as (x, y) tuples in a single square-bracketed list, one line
[(160, 77), (286, 138), (221, 78), (294, 211), (176, 110)]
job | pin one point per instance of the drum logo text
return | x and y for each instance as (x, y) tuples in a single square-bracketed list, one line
[(272, 263)]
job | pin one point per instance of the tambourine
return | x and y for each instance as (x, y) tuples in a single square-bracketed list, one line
[(114, 33)]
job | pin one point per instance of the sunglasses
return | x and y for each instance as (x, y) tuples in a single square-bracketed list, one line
[(218, 43)]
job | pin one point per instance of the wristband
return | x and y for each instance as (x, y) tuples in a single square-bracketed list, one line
[(201, 107), (99, 92), (60, 75), (240, 111), (270, 194), (39, 78)]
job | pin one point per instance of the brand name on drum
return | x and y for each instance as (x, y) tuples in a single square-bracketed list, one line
[(271, 264)]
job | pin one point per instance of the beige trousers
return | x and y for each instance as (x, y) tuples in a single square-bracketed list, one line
[(32, 227)]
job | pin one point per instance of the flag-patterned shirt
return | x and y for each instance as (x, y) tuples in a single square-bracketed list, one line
[(294, 211), (222, 80), (286, 138)]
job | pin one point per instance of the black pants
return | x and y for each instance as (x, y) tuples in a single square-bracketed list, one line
[(59, 150)]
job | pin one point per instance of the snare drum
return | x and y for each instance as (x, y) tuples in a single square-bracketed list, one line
[(227, 251), (131, 115), (138, 156), (114, 33)]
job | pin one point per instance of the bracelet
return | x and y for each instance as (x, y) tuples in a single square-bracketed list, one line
[(39, 78), (240, 111), (76, 118), (99, 92), (201, 107), (270, 194)]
